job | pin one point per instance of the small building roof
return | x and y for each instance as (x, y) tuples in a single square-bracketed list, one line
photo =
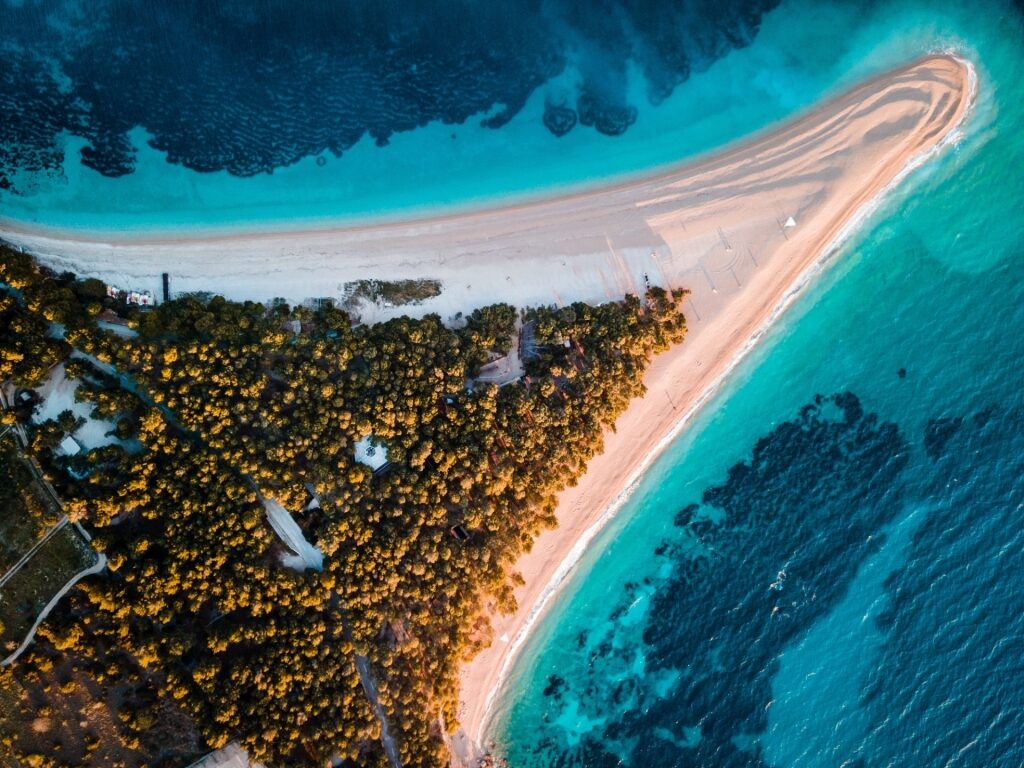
[(229, 756), (371, 453), (142, 298), (69, 446)]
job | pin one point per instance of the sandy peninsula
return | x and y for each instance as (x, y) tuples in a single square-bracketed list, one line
[(743, 229)]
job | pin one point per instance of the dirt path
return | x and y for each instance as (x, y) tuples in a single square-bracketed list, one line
[(370, 688)]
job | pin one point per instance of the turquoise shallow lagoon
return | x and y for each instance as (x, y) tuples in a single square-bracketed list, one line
[(826, 568), (803, 52)]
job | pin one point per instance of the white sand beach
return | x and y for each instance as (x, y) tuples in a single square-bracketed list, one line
[(743, 229)]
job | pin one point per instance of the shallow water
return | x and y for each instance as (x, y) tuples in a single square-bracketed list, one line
[(272, 114), (827, 568), (139, 117)]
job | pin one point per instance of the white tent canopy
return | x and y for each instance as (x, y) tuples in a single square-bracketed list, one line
[(371, 453)]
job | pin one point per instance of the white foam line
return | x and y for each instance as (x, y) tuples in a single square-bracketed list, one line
[(952, 136)]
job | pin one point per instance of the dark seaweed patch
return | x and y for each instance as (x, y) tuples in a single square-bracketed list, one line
[(797, 521), (554, 686), (248, 88)]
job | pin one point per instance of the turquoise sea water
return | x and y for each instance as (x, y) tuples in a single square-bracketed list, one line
[(804, 51), (827, 568)]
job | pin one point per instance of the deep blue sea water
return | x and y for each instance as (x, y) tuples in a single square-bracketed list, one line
[(827, 568)]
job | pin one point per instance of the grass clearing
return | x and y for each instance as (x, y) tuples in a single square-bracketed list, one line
[(26, 511), (32, 587)]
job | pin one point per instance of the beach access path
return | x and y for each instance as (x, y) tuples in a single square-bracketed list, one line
[(743, 229)]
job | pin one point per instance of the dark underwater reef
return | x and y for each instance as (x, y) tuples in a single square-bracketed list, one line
[(718, 616), (248, 87), (774, 548)]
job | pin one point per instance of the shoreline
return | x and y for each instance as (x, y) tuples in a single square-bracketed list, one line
[(475, 729), (718, 225), (471, 252), (424, 213)]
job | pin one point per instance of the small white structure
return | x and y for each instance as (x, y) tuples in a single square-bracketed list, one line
[(142, 298), (790, 222), (69, 446), (371, 453), (294, 326), (230, 756)]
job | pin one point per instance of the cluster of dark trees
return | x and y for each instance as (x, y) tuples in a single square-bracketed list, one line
[(225, 406)]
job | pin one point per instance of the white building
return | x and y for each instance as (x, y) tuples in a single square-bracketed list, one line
[(230, 756), (371, 453), (69, 446), (142, 298)]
